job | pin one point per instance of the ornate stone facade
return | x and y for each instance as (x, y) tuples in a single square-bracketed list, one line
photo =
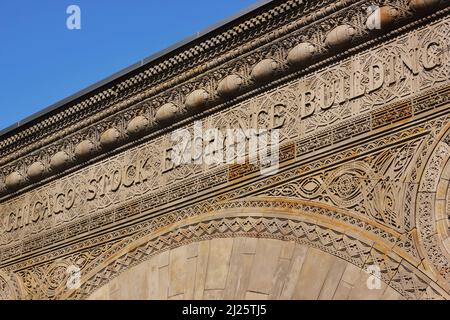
[(363, 180)]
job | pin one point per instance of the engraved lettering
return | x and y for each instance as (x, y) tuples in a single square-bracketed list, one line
[(277, 114), (376, 77), (431, 59), (307, 106)]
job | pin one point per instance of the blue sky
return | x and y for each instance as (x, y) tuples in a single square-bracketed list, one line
[(42, 61)]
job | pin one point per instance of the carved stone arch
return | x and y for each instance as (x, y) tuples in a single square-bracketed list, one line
[(433, 209), (261, 219)]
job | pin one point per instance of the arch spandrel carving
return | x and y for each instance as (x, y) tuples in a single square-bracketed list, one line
[(432, 215), (286, 272), (363, 177), (345, 242)]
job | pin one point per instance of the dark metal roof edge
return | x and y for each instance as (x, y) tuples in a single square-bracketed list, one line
[(134, 67)]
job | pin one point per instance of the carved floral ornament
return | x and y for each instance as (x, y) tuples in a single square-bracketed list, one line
[(337, 38), (8, 287), (432, 207)]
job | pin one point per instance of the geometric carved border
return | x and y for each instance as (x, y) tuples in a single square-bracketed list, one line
[(346, 243)]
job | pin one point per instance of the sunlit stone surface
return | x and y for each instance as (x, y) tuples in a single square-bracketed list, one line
[(111, 197)]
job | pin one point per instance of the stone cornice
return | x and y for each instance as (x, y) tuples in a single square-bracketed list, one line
[(185, 83)]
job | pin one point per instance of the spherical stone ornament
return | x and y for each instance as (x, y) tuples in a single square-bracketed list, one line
[(301, 53), (84, 149), (166, 113), (138, 125), (423, 5), (196, 99), (36, 170), (13, 180), (229, 85), (381, 18), (110, 137), (59, 160), (264, 69), (340, 36)]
